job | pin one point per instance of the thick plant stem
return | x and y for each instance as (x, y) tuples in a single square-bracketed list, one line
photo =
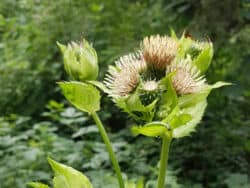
[(166, 140), (109, 148)]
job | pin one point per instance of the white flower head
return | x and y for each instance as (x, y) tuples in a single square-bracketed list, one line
[(123, 78), (186, 78)]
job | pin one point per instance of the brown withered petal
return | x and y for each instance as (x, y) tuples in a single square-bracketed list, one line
[(159, 51)]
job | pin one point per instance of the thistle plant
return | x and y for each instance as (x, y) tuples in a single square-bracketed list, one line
[(161, 86)]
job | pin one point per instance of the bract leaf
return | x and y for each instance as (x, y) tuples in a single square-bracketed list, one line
[(152, 129)]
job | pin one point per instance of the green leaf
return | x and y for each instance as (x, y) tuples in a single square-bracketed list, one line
[(179, 120), (67, 177), (185, 44), (192, 99), (37, 185), (193, 105), (204, 59), (83, 96), (134, 103), (133, 106), (176, 118), (196, 112), (99, 85), (152, 129), (169, 98), (219, 84), (189, 100)]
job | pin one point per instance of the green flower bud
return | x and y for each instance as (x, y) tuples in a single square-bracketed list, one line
[(80, 60)]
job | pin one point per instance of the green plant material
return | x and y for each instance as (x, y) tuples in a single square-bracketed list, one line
[(196, 113), (166, 141), (138, 184), (80, 60), (83, 96), (99, 85), (169, 98), (67, 177), (192, 99), (37, 185), (133, 106), (201, 52), (109, 148), (152, 129), (203, 60), (237, 180)]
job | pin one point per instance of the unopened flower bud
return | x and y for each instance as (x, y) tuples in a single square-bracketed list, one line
[(80, 60)]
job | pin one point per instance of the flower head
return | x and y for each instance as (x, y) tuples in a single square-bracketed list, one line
[(186, 77), (124, 77), (159, 51), (150, 86), (80, 60)]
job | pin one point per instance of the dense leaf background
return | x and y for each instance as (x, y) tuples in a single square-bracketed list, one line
[(36, 121)]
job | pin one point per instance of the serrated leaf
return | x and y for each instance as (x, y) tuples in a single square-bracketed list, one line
[(192, 99), (189, 100), (152, 129), (67, 177), (194, 105), (196, 112), (37, 185), (83, 96)]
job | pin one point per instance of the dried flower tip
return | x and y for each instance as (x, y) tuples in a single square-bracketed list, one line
[(186, 77), (159, 51), (123, 78)]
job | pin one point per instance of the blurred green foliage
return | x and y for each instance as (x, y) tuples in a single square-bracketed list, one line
[(217, 155)]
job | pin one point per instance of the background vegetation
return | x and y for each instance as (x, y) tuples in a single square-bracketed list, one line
[(36, 121)]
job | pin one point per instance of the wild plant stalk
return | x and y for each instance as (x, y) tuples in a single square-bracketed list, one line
[(81, 63), (166, 141), (109, 148)]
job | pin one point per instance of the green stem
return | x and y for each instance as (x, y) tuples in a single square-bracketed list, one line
[(166, 140), (109, 148)]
